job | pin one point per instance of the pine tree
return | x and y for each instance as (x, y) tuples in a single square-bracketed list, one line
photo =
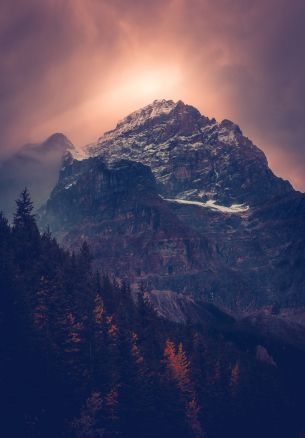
[(73, 346), (99, 311), (98, 342), (178, 365), (85, 258), (6, 264), (24, 219), (234, 378), (111, 413), (88, 424), (24, 208), (147, 329), (41, 309), (146, 393), (25, 232), (41, 318), (179, 369)]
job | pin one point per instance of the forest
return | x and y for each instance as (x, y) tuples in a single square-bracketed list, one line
[(85, 356)]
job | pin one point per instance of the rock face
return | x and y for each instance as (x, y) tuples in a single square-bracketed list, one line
[(181, 203), (131, 230)]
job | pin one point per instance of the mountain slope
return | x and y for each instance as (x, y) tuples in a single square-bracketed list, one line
[(203, 214)]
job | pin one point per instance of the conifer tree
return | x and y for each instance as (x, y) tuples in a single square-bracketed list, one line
[(88, 425), (25, 232), (234, 378), (6, 264), (98, 340), (179, 368), (24, 219), (111, 418)]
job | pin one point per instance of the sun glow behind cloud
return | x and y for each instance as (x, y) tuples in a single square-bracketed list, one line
[(143, 84), (125, 91)]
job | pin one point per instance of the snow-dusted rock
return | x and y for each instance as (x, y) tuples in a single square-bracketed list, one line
[(188, 152)]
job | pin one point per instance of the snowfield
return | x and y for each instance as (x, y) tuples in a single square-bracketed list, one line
[(234, 208)]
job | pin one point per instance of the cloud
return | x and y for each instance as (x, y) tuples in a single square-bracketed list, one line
[(35, 166), (74, 67)]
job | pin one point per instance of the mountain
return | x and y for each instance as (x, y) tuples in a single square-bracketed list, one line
[(181, 203), (35, 166), (191, 156)]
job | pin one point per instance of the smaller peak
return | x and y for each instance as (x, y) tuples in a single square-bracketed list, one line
[(228, 124), (57, 136), (58, 141)]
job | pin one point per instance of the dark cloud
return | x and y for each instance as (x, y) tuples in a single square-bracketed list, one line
[(71, 66)]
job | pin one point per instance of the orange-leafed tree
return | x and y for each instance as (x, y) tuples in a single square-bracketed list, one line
[(178, 366), (234, 378), (88, 424)]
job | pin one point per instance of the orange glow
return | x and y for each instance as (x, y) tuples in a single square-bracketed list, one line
[(104, 60)]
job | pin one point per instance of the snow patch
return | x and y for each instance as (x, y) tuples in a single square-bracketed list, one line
[(68, 186), (234, 208), (227, 135), (79, 154)]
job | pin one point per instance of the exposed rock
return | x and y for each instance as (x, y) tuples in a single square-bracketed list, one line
[(270, 328), (203, 214), (263, 355), (183, 308), (191, 156), (131, 230)]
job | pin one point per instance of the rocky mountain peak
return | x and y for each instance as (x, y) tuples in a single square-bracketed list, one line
[(192, 157), (139, 117), (58, 141)]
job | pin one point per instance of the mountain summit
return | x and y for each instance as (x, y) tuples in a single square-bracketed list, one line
[(192, 157)]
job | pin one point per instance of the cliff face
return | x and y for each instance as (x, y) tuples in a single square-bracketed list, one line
[(131, 230), (180, 203), (262, 250)]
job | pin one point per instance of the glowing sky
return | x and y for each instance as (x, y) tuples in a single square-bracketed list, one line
[(77, 66)]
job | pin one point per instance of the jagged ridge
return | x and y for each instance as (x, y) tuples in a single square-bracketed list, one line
[(192, 157)]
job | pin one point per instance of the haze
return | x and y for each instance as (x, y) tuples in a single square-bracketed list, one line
[(77, 66)]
